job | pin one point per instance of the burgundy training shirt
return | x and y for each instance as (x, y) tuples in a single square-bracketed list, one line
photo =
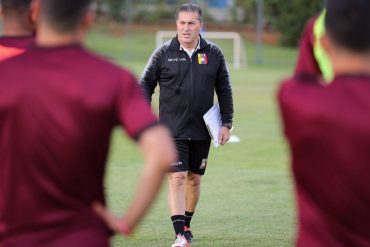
[(58, 107), (328, 129)]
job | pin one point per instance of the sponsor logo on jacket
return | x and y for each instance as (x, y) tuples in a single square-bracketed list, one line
[(177, 59)]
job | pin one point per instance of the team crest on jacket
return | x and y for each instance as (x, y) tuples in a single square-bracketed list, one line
[(202, 58)]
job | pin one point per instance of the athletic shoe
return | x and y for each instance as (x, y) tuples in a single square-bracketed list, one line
[(180, 241), (188, 235)]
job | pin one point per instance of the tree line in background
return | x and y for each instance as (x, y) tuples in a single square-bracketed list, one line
[(285, 16)]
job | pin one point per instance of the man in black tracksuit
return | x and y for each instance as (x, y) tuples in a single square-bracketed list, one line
[(188, 69)]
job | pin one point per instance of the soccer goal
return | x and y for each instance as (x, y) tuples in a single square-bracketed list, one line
[(231, 43)]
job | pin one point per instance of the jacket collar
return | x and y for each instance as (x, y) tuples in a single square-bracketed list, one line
[(175, 44)]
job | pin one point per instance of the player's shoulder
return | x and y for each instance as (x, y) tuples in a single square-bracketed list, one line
[(211, 46), (300, 88), (165, 47), (303, 79), (160, 52)]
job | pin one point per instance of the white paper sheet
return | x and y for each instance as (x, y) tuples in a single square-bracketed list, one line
[(212, 118)]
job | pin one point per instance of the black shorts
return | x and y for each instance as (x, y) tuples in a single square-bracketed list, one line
[(193, 156)]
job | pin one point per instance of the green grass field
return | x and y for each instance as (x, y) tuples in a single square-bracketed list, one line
[(247, 197)]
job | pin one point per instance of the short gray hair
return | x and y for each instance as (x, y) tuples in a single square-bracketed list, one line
[(190, 7)]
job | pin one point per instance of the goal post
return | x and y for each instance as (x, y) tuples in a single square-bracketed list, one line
[(238, 51)]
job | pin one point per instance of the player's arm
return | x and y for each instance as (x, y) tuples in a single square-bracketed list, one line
[(225, 99), (151, 74), (158, 151), (157, 147)]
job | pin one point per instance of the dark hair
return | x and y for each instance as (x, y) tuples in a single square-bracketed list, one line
[(15, 6), (190, 7), (348, 23), (64, 15)]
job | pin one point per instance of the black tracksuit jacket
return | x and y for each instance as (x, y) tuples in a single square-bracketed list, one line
[(187, 87)]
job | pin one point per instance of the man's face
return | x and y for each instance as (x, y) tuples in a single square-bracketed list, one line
[(188, 28)]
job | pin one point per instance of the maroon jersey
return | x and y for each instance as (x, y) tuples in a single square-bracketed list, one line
[(12, 46), (58, 107), (306, 63), (328, 129)]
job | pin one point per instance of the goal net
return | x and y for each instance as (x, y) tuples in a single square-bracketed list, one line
[(231, 44)]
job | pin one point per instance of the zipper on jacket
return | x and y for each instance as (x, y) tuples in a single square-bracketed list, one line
[(191, 95)]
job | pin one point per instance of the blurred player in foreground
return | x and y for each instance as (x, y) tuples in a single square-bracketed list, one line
[(58, 106), (18, 26), (328, 129)]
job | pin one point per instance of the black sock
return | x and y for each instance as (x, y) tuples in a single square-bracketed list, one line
[(178, 222), (188, 216)]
